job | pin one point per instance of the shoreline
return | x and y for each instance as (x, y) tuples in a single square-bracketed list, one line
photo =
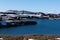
[(30, 36)]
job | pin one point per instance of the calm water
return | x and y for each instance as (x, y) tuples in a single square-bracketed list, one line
[(42, 27)]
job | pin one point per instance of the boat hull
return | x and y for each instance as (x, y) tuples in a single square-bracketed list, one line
[(14, 24)]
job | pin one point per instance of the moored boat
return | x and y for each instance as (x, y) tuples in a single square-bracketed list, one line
[(13, 23)]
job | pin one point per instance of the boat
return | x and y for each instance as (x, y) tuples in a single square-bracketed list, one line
[(14, 23)]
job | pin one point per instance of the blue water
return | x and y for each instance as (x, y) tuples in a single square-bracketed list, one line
[(42, 27)]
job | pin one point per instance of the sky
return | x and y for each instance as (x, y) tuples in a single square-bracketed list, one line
[(50, 6)]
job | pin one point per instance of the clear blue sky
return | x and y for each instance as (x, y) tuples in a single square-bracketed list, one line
[(31, 5)]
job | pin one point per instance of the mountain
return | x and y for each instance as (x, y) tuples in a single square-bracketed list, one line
[(22, 12)]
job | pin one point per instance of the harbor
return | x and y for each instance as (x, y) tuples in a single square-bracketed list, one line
[(15, 24), (13, 18), (24, 24), (29, 19)]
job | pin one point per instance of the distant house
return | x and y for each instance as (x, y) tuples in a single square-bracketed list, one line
[(43, 15), (29, 14)]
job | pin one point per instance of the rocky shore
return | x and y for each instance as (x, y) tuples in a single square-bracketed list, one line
[(27, 37)]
